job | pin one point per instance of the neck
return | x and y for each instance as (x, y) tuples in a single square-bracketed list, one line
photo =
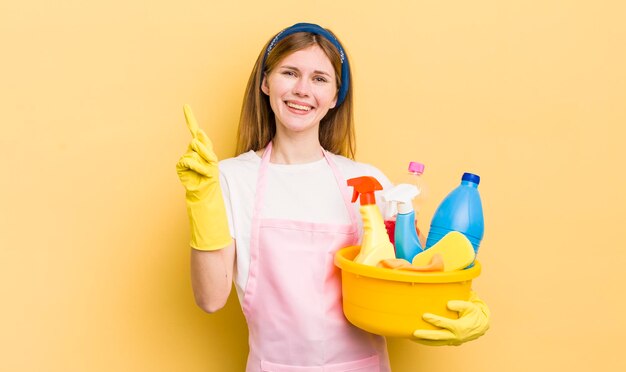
[(295, 150)]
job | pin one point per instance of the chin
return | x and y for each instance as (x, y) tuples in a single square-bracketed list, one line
[(298, 126)]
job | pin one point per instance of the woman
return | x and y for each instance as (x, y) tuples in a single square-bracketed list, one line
[(273, 217)]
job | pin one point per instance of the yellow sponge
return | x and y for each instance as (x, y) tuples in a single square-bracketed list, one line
[(456, 250)]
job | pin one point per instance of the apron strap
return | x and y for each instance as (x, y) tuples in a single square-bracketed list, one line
[(342, 183), (261, 181)]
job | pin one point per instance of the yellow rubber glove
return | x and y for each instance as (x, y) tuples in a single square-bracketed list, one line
[(199, 174), (472, 323)]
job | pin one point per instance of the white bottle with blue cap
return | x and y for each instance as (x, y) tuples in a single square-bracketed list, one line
[(461, 210)]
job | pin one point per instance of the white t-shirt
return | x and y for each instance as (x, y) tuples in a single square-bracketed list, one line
[(301, 192)]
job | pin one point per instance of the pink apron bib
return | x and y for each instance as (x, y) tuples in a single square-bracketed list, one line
[(292, 300)]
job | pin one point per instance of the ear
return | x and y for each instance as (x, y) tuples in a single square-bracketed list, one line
[(332, 105), (264, 87)]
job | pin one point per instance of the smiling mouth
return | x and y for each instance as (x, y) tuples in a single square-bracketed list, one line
[(298, 107)]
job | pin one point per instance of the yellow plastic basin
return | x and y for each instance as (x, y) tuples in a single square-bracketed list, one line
[(391, 302)]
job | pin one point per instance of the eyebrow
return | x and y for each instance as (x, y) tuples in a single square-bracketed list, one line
[(320, 72)]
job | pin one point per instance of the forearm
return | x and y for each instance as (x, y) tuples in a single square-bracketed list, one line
[(211, 276)]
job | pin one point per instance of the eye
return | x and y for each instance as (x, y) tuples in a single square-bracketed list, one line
[(320, 79), (289, 73)]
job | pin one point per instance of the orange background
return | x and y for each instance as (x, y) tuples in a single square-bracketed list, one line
[(530, 95)]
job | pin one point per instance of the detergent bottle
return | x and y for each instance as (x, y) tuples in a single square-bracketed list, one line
[(414, 176), (461, 210), (406, 241), (375, 245)]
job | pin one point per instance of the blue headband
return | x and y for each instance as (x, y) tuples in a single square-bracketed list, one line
[(315, 29)]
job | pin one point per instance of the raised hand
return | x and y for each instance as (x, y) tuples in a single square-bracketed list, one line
[(199, 174), (197, 169)]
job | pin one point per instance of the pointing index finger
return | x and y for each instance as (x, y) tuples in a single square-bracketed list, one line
[(192, 124)]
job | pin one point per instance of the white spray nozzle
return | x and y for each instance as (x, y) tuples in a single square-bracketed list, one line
[(402, 194)]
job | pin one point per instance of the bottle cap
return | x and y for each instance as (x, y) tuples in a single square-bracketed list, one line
[(471, 178), (415, 167)]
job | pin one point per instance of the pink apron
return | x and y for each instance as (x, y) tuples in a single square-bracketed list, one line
[(292, 300)]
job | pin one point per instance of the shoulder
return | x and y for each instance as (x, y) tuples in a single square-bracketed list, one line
[(351, 168), (239, 174), (248, 161)]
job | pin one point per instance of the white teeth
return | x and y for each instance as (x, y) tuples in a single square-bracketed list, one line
[(298, 107)]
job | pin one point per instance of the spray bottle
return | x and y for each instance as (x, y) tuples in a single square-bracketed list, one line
[(375, 245), (406, 240), (413, 176)]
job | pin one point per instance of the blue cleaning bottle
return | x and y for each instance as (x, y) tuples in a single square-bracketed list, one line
[(407, 243), (461, 210)]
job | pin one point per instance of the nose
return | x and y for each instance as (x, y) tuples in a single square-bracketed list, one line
[(301, 87)]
